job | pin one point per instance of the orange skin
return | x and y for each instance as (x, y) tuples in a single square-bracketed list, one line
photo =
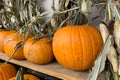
[(39, 51), (77, 47), (10, 43), (3, 35), (7, 71)]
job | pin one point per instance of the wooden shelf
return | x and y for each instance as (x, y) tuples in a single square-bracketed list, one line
[(52, 69)]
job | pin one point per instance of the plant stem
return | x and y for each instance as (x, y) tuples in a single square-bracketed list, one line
[(59, 12), (18, 46), (69, 10), (116, 76)]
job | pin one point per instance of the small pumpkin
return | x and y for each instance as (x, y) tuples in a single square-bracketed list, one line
[(39, 51), (77, 47), (3, 35), (27, 77), (10, 43), (7, 71)]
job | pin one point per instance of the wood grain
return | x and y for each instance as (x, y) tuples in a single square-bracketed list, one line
[(52, 69)]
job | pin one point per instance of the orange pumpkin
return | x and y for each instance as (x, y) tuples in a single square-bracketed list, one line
[(27, 77), (77, 47), (3, 35), (7, 71), (39, 51), (10, 44)]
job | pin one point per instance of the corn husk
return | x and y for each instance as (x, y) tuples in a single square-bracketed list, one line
[(104, 31), (112, 54), (112, 57), (99, 64), (116, 33)]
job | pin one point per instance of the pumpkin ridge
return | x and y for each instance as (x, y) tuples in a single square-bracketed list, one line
[(72, 47), (64, 58), (95, 42), (99, 39), (30, 51), (78, 36), (13, 69), (1, 75), (85, 44), (85, 58), (5, 71), (56, 57), (8, 70), (59, 57), (4, 75), (77, 30), (35, 47), (91, 44), (82, 61), (42, 51)]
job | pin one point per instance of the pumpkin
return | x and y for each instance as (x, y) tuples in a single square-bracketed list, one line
[(77, 47), (10, 43), (3, 35), (27, 77), (7, 71), (39, 51)]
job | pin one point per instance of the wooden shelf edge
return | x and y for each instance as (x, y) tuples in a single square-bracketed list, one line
[(52, 69)]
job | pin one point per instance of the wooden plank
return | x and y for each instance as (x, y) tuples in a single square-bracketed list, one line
[(52, 69)]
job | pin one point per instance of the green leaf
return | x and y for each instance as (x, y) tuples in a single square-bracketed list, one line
[(19, 75)]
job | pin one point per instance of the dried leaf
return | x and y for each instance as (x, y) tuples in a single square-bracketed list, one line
[(86, 7), (30, 9), (63, 22), (115, 11), (54, 23), (116, 33), (112, 57), (111, 26), (107, 76), (76, 18), (67, 2), (104, 31), (100, 61)]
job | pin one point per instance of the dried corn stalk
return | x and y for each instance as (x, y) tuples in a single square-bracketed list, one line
[(116, 33), (104, 31), (112, 54)]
